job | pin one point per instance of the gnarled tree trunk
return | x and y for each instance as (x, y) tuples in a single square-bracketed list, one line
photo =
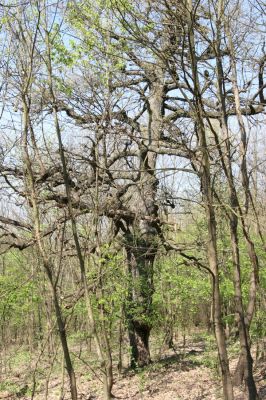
[(139, 310), (142, 238)]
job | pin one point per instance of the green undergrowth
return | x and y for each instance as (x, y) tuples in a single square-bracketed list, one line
[(9, 386)]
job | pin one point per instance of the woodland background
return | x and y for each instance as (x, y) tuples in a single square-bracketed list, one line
[(132, 211)]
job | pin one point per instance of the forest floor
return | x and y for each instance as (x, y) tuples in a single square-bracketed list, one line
[(185, 373)]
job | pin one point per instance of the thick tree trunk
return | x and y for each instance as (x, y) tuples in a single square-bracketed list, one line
[(141, 247), (140, 304), (139, 334), (142, 237)]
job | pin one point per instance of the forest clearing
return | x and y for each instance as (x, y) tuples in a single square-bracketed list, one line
[(132, 199)]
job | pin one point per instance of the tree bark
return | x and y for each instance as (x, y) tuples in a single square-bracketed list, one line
[(207, 195), (32, 196), (245, 363), (63, 337), (142, 237), (140, 306)]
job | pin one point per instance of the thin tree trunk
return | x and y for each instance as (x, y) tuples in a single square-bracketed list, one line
[(104, 358), (207, 194), (246, 359), (217, 315), (30, 185), (63, 338), (245, 364)]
